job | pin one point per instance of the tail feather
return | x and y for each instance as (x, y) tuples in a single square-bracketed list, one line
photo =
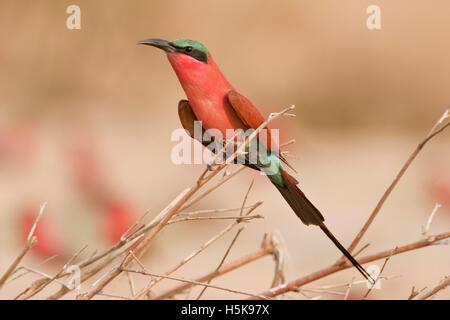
[(309, 214), (302, 207), (346, 253)]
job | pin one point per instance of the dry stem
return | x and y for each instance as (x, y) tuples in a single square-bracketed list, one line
[(267, 248), (31, 241), (296, 284), (438, 127), (425, 294)]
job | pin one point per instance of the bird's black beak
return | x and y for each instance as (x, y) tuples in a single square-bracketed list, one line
[(159, 43)]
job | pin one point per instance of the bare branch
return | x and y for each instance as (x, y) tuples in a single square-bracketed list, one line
[(426, 229), (28, 294), (425, 294), (256, 216), (197, 252), (379, 274), (267, 248), (31, 241), (223, 259), (349, 288), (436, 129), (294, 285), (195, 283)]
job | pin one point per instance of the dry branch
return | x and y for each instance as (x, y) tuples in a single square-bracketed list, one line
[(31, 241), (178, 205), (296, 284), (28, 294), (438, 127), (426, 229), (198, 251), (223, 259), (425, 294), (143, 234), (379, 274), (267, 248), (194, 283)]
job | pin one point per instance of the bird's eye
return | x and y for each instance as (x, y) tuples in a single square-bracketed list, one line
[(188, 49)]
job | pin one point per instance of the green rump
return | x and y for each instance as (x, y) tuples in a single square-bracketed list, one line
[(270, 164), (273, 169)]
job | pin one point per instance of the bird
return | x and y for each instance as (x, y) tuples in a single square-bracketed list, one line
[(212, 100)]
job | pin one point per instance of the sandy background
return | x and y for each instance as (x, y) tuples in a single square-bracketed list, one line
[(90, 107)]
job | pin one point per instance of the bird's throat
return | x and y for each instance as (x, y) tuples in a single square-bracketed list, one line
[(206, 89)]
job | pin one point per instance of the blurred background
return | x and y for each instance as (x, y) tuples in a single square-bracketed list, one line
[(86, 117)]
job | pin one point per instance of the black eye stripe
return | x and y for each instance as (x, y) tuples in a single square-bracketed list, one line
[(194, 53), (199, 55)]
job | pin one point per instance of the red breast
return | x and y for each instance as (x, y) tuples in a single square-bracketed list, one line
[(206, 89)]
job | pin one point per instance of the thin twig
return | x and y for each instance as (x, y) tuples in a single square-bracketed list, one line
[(211, 189), (279, 254), (209, 211), (364, 247), (287, 143), (346, 284), (349, 288), (223, 259), (426, 229), (28, 294), (295, 284), (198, 251), (176, 206), (337, 293), (433, 132), (160, 220), (28, 271), (425, 294), (379, 274), (245, 198), (31, 241), (195, 283), (205, 177), (131, 284), (87, 274), (255, 216), (267, 248), (271, 117), (113, 296), (41, 211)]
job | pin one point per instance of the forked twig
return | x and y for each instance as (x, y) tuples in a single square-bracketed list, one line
[(28, 294)]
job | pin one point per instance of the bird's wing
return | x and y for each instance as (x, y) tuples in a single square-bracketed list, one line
[(187, 117), (251, 117), (188, 121)]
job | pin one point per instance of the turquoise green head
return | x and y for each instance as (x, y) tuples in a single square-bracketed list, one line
[(188, 47)]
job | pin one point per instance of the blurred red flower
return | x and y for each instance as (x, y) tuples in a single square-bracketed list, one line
[(49, 237)]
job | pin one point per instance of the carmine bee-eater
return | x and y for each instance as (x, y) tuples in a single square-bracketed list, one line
[(213, 101)]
